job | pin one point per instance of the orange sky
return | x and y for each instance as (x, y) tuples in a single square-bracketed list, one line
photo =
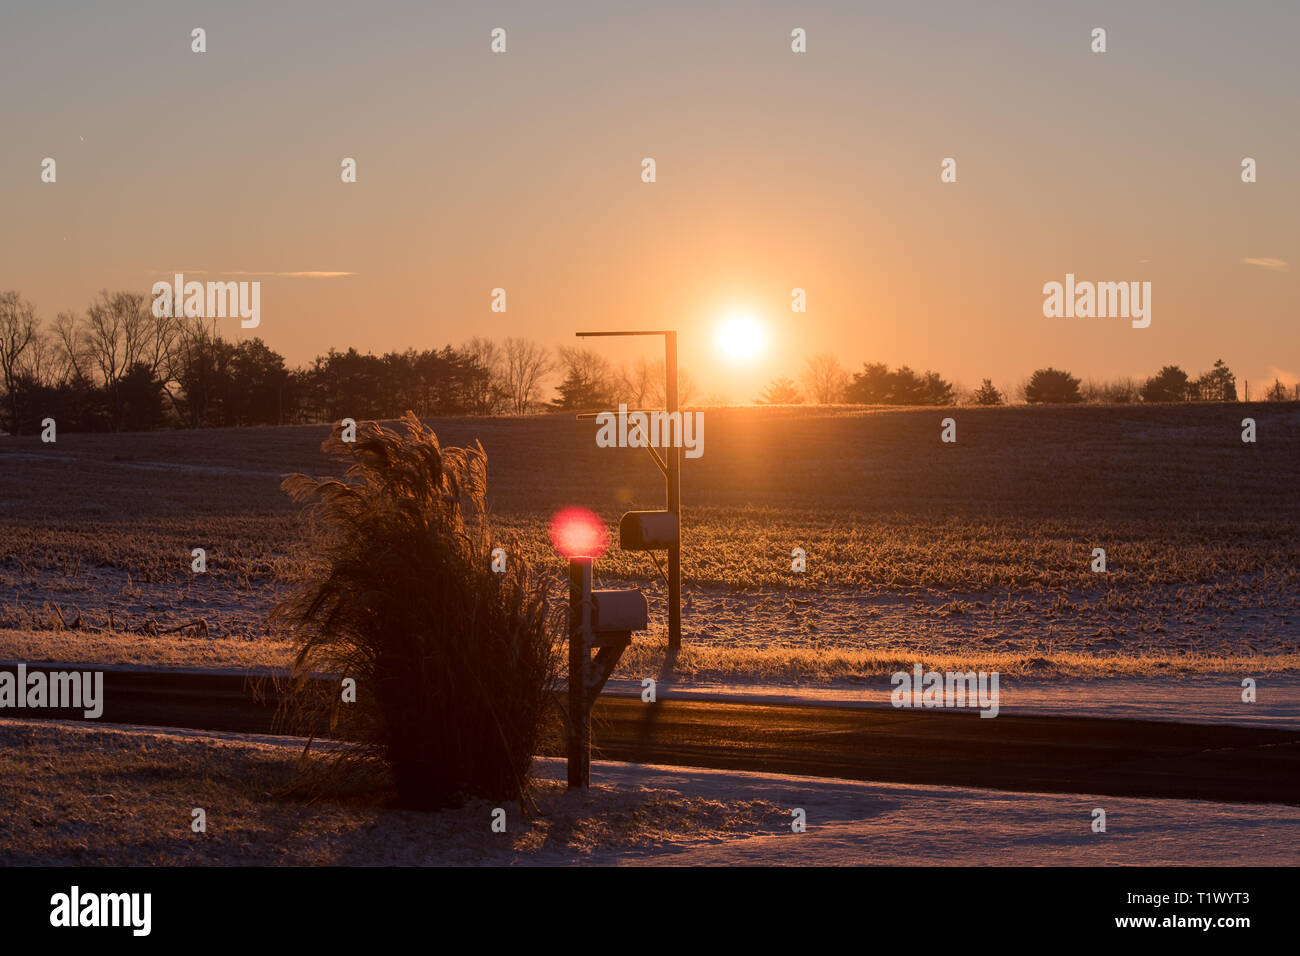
[(775, 170)]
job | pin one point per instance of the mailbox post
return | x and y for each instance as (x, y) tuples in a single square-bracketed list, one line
[(674, 456), (600, 621), (579, 748)]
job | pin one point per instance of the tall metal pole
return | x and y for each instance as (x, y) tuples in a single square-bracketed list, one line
[(673, 457), (579, 739), (674, 453)]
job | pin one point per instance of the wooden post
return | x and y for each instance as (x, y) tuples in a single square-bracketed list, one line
[(579, 737), (674, 455)]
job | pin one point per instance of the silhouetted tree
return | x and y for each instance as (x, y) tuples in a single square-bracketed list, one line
[(781, 391), (877, 385), (1119, 391), (1217, 385), (871, 386), (824, 379), (525, 363), (258, 385), (637, 384), (18, 330), (937, 391), (906, 387), (986, 394), (1053, 387), (1167, 385), (484, 375), (588, 383), (197, 366), (139, 399)]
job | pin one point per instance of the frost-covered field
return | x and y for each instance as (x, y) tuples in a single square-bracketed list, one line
[(974, 554), (82, 795)]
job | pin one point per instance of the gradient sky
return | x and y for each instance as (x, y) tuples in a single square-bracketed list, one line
[(775, 170)]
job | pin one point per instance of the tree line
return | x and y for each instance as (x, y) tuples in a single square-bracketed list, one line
[(825, 381), (118, 367)]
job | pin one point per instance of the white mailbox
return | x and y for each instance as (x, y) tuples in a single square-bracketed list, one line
[(648, 531), (618, 611)]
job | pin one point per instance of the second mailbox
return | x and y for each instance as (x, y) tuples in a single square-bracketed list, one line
[(648, 530), (621, 611)]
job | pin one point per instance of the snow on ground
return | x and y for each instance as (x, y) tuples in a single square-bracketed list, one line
[(1082, 633), (122, 795), (1251, 617), (107, 599), (855, 824)]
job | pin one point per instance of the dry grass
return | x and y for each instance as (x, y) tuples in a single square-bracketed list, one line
[(796, 665), (726, 663), (108, 647), (904, 553), (406, 601)]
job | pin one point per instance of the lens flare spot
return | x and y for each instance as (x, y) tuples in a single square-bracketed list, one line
[(577, 532)]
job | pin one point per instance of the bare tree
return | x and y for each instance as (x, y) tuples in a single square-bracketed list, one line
[(588, 381), (656, 383), (486, 391), (120, 332), (825, 379), (635, 383), (687, 388), (39, 359), (70, 346), (193, 364), (18, 329), (159, 342), (526, 364)]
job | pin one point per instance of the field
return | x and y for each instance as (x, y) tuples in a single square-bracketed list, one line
[(973, 554)]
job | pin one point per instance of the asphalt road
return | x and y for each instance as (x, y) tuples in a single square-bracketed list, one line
[(1021, 753)]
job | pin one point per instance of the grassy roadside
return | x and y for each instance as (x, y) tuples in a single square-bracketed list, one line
[(88, 796), (781, 665)]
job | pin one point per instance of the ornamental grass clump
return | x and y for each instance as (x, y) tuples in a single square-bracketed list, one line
[(454, 662)]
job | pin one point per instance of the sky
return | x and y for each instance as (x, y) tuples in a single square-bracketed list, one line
[(775, 170)]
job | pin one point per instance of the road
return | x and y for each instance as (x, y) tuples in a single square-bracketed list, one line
[(1049, 754)]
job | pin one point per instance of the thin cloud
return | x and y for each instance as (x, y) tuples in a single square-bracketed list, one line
[(1277, 265), (290, 275), (297, 275)]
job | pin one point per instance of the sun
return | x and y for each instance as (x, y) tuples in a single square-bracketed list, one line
[(740, 337)]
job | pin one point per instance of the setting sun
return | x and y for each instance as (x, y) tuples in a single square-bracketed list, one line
[(740, 337)]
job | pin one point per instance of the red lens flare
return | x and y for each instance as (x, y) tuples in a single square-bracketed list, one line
[(576, 532)]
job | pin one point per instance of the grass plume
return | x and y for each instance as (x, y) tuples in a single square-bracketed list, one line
[(454, 663)]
